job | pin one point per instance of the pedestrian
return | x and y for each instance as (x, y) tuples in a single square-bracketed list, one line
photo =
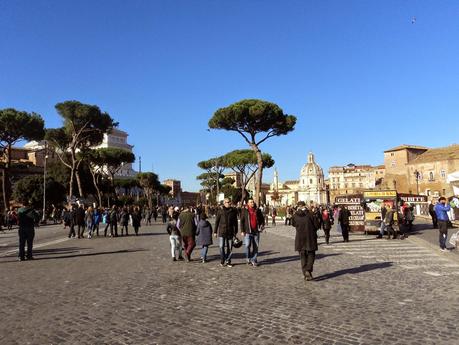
[(97, 220), (136, 220), (164, 214), (73, 221), (187, 227), (113, 216), (383, 225), (306, 226), (80, 220), (433, 214), (204, 236), (273, 216), (327, 222), (252, 224), (106, 220), (226, 228), (389, 223), (441, 210), (124, 220), (89, 220), (343, 220), (155, 214), (66, 217), (175, 240), (27, 218)]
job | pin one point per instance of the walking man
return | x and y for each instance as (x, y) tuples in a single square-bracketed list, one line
[(306, 226), (27, 218), (187, 226), (344, 222), (226, 229), (252, 223), (441, 210)]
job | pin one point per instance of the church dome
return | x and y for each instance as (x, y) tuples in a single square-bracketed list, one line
[(312, 175)]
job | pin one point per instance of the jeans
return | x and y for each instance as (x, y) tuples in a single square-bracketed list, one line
[(176, 245), (443, 232), (204, 250), (226, 249), (382, 228), (251, 244)]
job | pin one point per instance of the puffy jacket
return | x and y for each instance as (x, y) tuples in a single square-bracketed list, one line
[(441, 211), (226, 222)]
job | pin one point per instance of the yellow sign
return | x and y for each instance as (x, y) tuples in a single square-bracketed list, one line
[(380, 194)]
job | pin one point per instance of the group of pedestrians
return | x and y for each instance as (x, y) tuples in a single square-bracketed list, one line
[(80, 219), (190, 227)]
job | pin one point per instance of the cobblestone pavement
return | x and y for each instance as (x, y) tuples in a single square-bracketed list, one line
[(128, 291)]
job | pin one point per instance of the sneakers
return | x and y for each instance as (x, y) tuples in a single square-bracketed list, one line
[(443, 249), (174, 259), (254, 263), (180, 258), (228, 264)]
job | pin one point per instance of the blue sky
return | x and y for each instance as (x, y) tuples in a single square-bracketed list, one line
[(359, 75)]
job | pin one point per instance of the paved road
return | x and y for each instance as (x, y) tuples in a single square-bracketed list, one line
[(128, 291)]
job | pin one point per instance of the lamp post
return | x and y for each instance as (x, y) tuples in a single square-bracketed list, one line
[(44, 182), (416, 175)]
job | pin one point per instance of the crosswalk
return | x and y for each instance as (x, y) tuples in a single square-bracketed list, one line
[(406, 254)]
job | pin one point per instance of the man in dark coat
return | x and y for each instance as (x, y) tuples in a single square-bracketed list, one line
[(226, 228), (306, 238), (187, 226), (344, 221), (252, 223), (27, 218)]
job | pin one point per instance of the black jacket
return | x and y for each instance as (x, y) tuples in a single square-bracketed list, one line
[(344, 215), (226, 222), (245, 221), (306, 225)]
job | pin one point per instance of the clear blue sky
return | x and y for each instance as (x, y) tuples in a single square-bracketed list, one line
[(359, 75)]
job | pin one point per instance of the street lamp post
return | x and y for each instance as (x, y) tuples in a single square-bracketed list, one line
[(44, 182), (416, 175)]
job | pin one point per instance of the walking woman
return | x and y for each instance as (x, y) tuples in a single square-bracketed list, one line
[(204, 236), (124, 221), (89, 220)]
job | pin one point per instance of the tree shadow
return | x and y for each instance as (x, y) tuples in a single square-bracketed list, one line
[(355, 270), (284, 259)]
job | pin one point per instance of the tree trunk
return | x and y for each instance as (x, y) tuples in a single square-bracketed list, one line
[(259, 174), (80, 187), (94, 180), (6, 180), (4, 177), (72, 173)]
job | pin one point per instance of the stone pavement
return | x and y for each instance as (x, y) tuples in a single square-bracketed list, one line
[(128, 291)]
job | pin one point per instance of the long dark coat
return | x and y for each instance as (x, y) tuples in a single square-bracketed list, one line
[(204, 233), (306, 230)]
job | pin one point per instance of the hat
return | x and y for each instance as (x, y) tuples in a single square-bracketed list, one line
[(176, 208)]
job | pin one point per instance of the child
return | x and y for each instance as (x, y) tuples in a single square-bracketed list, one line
[(204, 234)]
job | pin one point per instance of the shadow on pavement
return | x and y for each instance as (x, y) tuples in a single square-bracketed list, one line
[(124, 251), (354, 270)]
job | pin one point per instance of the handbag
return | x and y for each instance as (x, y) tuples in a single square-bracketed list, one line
[(237, 243)]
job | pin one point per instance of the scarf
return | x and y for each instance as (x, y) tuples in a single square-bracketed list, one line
[(253, 218)]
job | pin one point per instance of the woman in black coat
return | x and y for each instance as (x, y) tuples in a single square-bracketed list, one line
[(204, 236), (306, 238)]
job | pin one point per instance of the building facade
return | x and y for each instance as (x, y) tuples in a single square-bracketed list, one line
[(421, 170), (309, 187), (353, 179)]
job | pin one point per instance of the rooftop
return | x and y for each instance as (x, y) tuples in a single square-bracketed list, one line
[(438, 154), (407, 147)]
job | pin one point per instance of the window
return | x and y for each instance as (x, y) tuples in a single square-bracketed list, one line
[(443, 174), (428, 192), (310, 181), (431, 176), (392, 154), (392, 163)]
